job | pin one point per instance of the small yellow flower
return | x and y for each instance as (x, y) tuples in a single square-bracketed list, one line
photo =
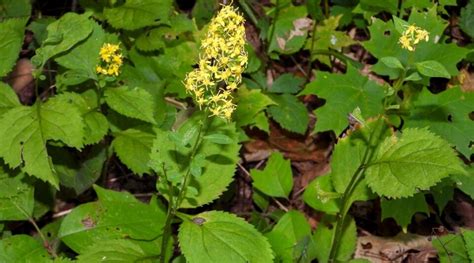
[(412, 36), (111, 60)]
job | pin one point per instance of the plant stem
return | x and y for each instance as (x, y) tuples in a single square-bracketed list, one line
[(310, 60), (326, 8), (249, 11), (174, 206), (272, 30)]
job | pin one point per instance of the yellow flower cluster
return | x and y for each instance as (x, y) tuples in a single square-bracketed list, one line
[(412, 36), (222, 60), (111, 60)]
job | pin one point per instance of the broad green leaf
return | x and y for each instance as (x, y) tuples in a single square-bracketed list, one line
[(320, 195), (431, 68), (14, 8), (38, 27), (16, 198), (466, 21), (291, 30), (119, 250), (468, 236), (133, 148), (63, 34), (417, 153), (76, 171), (465, 182), (276, 179), (403, 209), (135, 14), (287, 83), (291, 239), (11, 41), (219, 159), (8, 98), (84, 57), (400, 24), (22, 248), (327, 37), (289, 112), (392, 62), (343, 93), (131, 102), (222, 237), (24, 132), (446, 114), (116, 215), (451, 248), (250, 103), (324, 234)]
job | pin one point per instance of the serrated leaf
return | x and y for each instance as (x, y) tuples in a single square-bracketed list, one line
[(219, 165), (392, 62), (287, 83), (250, 103), (230, 237), (403, 209), (63, 34), (16, 198), (446, 114), (276, 179), (133, 147), (116, 215), (320, 195), (135, 14), (291, 239), (119, 250), (22, 248), (26, 130), (11, 41), (8, 98), (289, 112), (451, 248), (325, 231), (343, 93), (135, 103), (417, 153), (431, 68), (291, 30), (466, 21), (219, 138), (468, 236)]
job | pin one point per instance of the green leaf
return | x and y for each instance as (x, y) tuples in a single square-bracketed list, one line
[(327, 37), (392, 62), (84, 57), (250, 103), (451, 248), (230, 237), (119, 250), (117, 215), (16, 198), (22, 248), (343, 93), (400, 24), (135, 14), (468, 236), (287, 83), (14, 8), (218, 138), (466, 21), (291, 30), (133, 148), (417, 153), (320, 195), (8, 98), (465, 182), (443, 193), (26, 130), (63, 34), (276, 179), (289, 112), (135, 103), (325, 232), (431, 68), (11, 41), (76, 171), (446, 114), (403, 209), (291, 239), (219, 163)]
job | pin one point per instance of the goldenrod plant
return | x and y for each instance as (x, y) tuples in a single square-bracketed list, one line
[(233, 131)]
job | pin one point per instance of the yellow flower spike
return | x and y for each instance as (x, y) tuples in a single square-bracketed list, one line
[(412, 36), (111, 60)]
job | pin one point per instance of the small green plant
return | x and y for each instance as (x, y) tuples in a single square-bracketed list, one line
[(141, 89)]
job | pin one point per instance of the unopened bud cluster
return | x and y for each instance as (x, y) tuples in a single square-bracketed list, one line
[(111, 60), (222, 60), (412, 36)]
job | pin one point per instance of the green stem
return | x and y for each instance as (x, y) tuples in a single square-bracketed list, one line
[(272, 30), (326, 8), (310, 60), (249, 11), (174, 206)]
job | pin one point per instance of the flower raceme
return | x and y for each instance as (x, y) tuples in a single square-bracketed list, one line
[(222, 60), (111, 60), (412, 36)]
